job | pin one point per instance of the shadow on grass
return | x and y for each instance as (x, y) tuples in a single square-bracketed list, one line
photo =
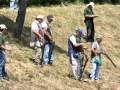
[(25, 37)]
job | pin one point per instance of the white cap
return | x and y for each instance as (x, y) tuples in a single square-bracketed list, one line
[(91, 4), (3, 26), (99, 37), (39, 17)]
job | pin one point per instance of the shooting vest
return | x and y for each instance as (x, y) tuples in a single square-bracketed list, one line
[(71, 48), (47, 40), (34, 39)]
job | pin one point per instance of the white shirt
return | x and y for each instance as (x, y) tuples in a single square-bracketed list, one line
[(73, 40), (44, 25), (35, 26), (95, 45)]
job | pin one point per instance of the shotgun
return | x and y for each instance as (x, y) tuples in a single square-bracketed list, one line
[(108, 57), (84, 66)]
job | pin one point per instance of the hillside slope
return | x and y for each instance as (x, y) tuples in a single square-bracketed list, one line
[(24, 75)]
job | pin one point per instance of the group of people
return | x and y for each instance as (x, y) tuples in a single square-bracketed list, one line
[(76, 47), (42, 39), (77, 58), (43, 43)]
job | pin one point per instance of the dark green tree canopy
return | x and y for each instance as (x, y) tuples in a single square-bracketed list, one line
[(57, 2)]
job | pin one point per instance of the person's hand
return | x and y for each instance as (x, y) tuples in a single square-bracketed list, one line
[(95, 16), (103, 52), (97, 57), (84, 47), (8, 48)]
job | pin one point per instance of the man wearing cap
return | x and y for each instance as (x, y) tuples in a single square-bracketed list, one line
[(3, 48), (96, 58), (48, 38), (37, 38), (75, 52), (89, 16)]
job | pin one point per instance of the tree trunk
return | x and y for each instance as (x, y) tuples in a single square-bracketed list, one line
[(20, 18)]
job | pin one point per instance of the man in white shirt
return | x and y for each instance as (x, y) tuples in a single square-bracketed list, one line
[(36, 37), (74, 52)]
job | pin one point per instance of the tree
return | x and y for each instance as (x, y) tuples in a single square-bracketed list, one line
[(20, 18)]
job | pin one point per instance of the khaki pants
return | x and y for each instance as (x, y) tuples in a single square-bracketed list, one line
[(75, 67), (38, 55)]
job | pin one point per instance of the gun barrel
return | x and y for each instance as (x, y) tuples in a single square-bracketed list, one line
[(110, 60)]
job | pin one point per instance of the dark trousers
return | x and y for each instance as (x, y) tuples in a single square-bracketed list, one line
[(90, 30)]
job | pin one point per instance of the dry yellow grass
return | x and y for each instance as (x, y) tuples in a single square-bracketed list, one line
[(24, 75)]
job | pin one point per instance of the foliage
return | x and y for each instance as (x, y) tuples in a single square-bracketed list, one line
[(56, 2)]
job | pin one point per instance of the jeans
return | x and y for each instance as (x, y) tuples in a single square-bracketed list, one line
[(13, 4), (2, 64), (95, 71), (48, 59)]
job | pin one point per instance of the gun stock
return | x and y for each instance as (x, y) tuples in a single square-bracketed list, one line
[(84, 65)]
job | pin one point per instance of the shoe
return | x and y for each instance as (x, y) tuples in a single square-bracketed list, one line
[(36, 63), (1, 79), (6, 78)]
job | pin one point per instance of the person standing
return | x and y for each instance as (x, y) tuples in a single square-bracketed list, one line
[(37, 38), (48, 38), (3, 48), (75, 53), (89, 17), (96, 58), (14, 4)]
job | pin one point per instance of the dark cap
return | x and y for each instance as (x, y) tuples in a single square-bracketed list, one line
[(80, 31), (50, 17)]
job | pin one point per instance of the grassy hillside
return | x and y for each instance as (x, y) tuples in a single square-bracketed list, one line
[(24, 75)]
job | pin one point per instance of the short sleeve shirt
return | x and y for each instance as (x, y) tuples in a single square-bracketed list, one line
[(95, 45), (35, 26), (44, 26), (88, 11), (73, 40)]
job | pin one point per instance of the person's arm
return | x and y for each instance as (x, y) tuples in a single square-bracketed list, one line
[(73, 40), (44, 28), (91, 16), (37, 34), (5, 47), (95, 51), (48, 34)]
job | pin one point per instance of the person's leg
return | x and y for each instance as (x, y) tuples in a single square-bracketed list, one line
[(51, 46), (97, 72), (46, 54), (88, 23), (1, 76), (75, 68), (12, 5), (2, 64), (92, 31), (38, 55), (16, 4), (93, 71), (79, 69)]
